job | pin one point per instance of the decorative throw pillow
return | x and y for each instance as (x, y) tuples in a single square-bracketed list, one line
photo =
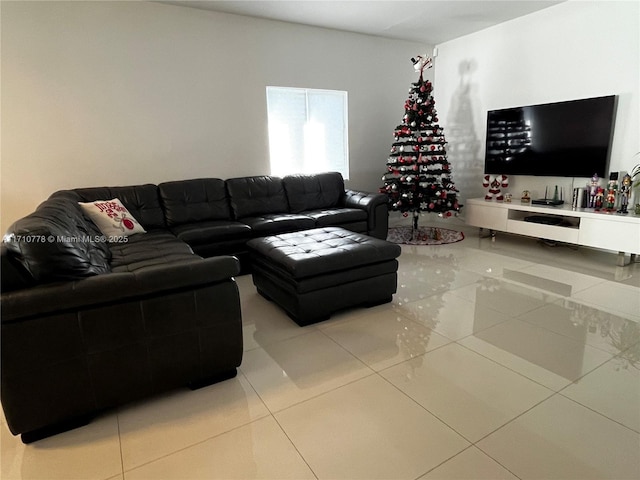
[(112, 218)]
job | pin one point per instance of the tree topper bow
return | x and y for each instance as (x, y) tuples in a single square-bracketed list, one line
[(420, 62)]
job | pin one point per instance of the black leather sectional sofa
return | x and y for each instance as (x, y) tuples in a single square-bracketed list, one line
[(88, 325)]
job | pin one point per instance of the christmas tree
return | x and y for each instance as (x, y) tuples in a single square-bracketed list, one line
[(418, 177)]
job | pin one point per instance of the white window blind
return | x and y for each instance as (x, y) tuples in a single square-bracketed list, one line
[(307, 131)]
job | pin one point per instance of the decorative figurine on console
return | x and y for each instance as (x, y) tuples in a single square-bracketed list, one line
[(610, 201), (495, 183), (599, 201), (593, 186), (625, 193), (612, 188)]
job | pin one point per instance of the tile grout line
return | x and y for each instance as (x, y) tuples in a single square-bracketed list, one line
[(186, 447), (284, 432), (419, 404), (472, 446), (444, 461), (598, 413), (587, 406), (500, 364), (531, 379), (472, 443), (120, 443)]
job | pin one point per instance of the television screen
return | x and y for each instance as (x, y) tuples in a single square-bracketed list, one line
[(564, 139)]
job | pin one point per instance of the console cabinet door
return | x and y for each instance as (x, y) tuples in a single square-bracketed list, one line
[(610, 235), (486, 216)]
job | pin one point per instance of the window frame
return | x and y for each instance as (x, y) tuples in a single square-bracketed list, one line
[(304, 167)]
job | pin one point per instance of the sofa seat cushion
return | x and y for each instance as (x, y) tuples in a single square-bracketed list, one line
[(157, 247), (271, 224), (337, 216), (212, 231)]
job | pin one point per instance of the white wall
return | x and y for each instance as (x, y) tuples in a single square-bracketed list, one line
[(576, 49), (121, 93)]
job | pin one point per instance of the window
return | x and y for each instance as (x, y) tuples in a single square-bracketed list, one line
[(307, 131)]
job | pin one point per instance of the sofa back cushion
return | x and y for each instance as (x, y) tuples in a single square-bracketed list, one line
[(251, 196), (190, 201), (56, 242), (142, 201), (313, 192)]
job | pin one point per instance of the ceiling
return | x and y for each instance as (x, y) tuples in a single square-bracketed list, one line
[(424, 21)]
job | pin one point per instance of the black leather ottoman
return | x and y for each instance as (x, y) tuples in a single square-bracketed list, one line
[(313, 273)]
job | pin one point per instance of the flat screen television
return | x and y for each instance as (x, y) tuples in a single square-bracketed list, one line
[(563, 139)]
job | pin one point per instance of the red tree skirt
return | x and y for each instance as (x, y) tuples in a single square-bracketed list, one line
[(423, 236)]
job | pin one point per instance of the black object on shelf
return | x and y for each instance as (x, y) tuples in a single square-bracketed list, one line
[(555, 201), (547, 201), (544, 219)]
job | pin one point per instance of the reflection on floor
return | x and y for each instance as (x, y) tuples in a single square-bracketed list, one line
[(506, 359)]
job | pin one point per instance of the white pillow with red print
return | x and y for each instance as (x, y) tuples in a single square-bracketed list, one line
[(112, 218)]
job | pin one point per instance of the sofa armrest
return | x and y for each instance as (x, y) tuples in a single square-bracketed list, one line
[(116, 287), (376, 206)]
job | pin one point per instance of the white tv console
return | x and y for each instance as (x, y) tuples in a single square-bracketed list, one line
[(581, 226)]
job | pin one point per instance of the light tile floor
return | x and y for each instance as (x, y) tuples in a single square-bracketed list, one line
[(496, 360)]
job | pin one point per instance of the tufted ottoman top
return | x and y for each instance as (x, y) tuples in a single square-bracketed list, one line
[(322, 250)]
